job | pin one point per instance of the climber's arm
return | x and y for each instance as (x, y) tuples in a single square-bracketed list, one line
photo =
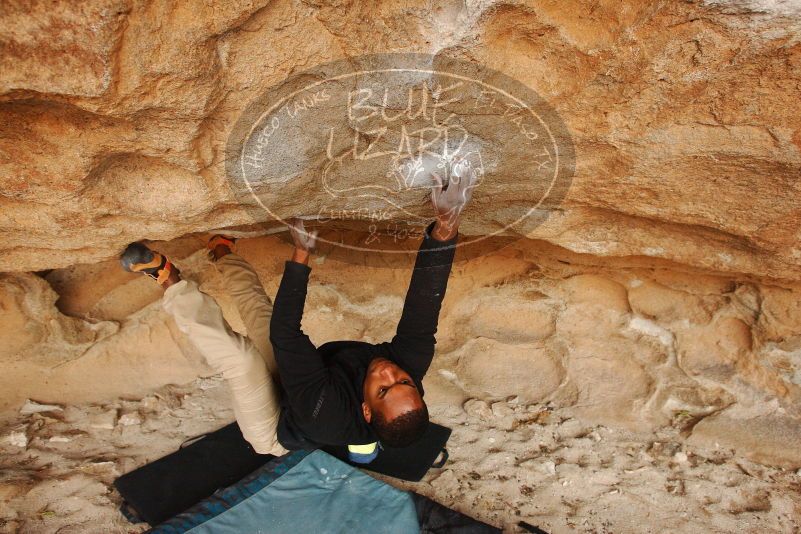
[(303, 239), (297, 357), (413, 344), (300, 365)]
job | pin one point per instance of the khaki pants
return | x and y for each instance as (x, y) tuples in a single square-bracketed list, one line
[(246, 363)]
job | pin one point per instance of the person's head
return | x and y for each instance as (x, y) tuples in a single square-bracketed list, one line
[(392, 404)]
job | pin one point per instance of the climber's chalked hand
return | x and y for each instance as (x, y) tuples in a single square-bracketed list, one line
[(302, 238), (449, 202)]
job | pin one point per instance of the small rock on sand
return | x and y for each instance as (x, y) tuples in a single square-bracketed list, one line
[(572, 428), (32, 407), (501, 409), (548, 467), (478, 408), (105, 420), (446, 482), (130, 419), (17, 439)]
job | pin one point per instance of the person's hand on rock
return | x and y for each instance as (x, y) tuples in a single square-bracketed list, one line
[(449, 202), (304, 240)]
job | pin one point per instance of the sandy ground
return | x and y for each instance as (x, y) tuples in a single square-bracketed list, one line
[(508, 462)]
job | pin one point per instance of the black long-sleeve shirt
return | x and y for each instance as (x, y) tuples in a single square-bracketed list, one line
[(323, 387)]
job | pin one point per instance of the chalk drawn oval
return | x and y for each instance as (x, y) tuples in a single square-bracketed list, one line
[(361, 140)]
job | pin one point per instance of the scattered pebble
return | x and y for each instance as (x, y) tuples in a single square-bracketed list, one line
[(478, 408), (453, 411), (17, 439), (501, 409), (99, 468), (208, 383), (60, 439), (448, 375), (572, 428), (130, 419), (632, 471), (446, 482), (32, 407), (548, 467), (680, 457), (149, 404), (105, 421)]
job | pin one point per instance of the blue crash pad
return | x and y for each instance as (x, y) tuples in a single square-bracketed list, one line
[(301, 492)]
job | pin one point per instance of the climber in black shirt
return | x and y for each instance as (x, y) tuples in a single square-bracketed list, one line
[(356, 393)]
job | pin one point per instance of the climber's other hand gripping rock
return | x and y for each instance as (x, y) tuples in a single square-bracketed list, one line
[(303, 239)]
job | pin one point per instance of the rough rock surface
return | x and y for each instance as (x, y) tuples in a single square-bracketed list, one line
[(508, 463), (662, 294), (114, 116), (728, 364)]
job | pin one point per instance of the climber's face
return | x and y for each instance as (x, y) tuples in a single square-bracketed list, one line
[(390, 390)]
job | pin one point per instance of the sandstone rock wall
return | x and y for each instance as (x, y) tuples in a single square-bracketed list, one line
[(631, 346), (115, 115), (662, 291)]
